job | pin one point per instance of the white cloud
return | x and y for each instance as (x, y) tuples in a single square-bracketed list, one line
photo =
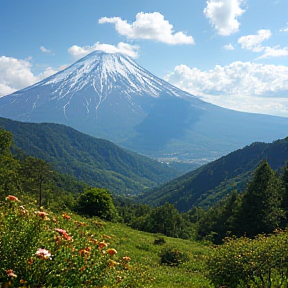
[(151, 26), (274, 52), (223, 14), (16, 74), (228, 47), (241, 86), (254, 42), (44, 50), (47, 72), (78, 52), (285, 29)]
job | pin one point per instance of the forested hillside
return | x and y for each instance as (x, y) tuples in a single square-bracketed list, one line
[(96, 161), (256, 254), (208, 184)]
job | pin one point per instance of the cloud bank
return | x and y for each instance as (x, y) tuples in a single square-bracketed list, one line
[(16, 74), (151, 26), (254, 43), (241, 86), (223, 15)]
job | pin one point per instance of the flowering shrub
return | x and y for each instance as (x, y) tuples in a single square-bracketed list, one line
[(245, 262), (40, 249)]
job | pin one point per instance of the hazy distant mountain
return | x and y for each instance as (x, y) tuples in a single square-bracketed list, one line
[(98, 162), (111, 97), (208, 184)]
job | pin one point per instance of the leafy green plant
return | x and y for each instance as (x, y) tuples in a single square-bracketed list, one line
[(244, 262), (159, 241), (42, 249), (96, 202), (172, 256)]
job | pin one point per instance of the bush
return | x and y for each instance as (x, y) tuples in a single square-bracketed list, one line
[(42, 249), (172, 256), (97, 202), (159, 241), (245, 262)]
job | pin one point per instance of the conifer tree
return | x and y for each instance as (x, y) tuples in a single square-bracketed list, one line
[(8, 166), (260, 210), (285, 192)]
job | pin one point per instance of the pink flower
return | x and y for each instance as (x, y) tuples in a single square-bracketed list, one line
[(42, 215), (63, 233), (43, 253), (12, 198), (23, 210), (10, 273)]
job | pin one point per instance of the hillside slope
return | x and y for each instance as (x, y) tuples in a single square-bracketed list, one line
[(211, 182), (96, 161)]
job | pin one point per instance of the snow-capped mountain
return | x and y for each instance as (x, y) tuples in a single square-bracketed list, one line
[(110, 96), (86, 86)]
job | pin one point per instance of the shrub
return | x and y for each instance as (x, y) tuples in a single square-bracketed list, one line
[(42, 249), (96, 202), (159, 241), (245, 262), (172, 256)]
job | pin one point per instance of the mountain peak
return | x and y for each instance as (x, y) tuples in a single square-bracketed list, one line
[(112, 97), (105, 72)]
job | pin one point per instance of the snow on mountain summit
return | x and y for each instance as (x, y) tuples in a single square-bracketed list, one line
[(106, 71), (96, 86)]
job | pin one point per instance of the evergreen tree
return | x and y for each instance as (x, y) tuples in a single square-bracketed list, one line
[(260, 210), (285, 193), (36, 174), (219, 220), (9, 182)]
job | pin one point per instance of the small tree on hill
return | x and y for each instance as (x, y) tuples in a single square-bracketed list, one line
[(9, 182), (96, 202)]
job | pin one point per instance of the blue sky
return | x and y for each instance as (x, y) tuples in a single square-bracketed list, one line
[(233, 53)]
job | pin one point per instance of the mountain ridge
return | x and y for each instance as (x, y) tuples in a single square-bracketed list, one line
[(98, 162), (211, 182)]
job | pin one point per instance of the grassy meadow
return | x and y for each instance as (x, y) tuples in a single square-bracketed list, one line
[(40, 248)]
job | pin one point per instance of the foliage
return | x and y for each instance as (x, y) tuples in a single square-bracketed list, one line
[(96, 202), (35, 175), (140, 246), (212, 182), (165, 220), (98, 162), (34, 178), (40, 249), (260, 210), (285, 190), (159, 241), (245, 262), (8, 166), (220, 219), (172, 256)]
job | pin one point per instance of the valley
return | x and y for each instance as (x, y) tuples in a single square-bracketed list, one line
[(118, 156)]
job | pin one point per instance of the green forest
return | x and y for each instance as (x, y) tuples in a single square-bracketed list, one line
[(243, 236)]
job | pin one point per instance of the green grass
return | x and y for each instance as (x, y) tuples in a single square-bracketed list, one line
[(140, 247), (76, 258)]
